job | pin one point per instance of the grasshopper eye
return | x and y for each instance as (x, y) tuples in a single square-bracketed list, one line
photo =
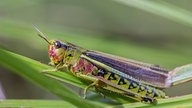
[(57, 44)]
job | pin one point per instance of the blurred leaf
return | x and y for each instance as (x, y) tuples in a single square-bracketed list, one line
[(35, 104), (161, 8), (181, 102), (175, 102)]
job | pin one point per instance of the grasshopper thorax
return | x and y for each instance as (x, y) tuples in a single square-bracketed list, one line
[(56, 51)]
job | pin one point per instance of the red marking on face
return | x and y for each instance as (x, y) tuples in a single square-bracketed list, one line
[(51, 50), (52, 54)]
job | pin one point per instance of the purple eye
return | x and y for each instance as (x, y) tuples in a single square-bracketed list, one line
[(57, 44)]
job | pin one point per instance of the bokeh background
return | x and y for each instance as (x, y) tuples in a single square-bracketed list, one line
[(156, 32)]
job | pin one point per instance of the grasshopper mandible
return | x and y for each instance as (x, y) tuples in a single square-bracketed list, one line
[(140, 81)]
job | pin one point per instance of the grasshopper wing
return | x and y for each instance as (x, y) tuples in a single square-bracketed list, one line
[(143, 72)]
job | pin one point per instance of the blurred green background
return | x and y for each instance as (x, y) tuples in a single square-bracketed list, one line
[(156, 32)]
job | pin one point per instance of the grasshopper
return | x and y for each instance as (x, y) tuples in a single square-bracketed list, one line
[(140, 81)]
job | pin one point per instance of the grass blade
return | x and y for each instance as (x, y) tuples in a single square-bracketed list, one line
[(175, 102), (29, 69), (35, 104), (162, 9)]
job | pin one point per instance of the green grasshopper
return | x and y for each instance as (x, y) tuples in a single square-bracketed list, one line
[(140, 81)]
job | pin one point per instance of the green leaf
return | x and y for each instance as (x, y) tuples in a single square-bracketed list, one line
[(174, 102), (161, 8), (36, 104), (30, 70)]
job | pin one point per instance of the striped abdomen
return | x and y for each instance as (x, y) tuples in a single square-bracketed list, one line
[(131, 85)]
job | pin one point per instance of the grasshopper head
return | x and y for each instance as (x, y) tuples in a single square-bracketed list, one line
[(56, 51)]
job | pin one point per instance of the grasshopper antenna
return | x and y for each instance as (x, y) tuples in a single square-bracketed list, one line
[(40, 34)]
